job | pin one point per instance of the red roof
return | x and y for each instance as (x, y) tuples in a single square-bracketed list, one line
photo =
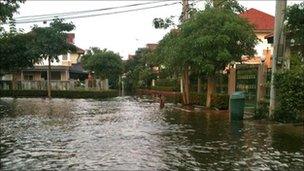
[(260, 20)]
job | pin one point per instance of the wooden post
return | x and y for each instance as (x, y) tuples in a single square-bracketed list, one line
[(162, 101), (49, 78)]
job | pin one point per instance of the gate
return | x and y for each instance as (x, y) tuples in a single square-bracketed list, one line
[(246, 81)]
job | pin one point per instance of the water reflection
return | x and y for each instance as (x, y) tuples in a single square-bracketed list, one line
[(132, 133)]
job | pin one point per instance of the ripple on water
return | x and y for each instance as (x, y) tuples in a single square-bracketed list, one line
[(133, 133)]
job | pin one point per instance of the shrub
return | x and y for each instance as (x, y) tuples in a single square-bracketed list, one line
[(174, 99), (290, 92), (59, 94), (220, 101), (198, 99), (261, 111), (169, 84), (163, 88)]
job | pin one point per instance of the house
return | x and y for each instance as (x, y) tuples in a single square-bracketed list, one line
[(263, 24), (66, 69), (252, 78)]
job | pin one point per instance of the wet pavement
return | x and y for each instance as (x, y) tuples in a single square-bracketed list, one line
[(132, 133)]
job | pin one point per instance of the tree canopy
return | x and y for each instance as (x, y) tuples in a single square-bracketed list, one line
[(138, 69), (206, 43), (104, 63), (16, 52), (51, 41), (295, 27), (209, 40), (7, 9)]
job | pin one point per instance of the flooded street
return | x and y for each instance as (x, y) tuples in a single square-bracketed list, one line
[(134, 134)]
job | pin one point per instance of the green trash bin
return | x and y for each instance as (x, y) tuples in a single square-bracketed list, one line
[(237, 105)]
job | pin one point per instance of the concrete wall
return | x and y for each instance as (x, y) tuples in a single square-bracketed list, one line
[(263, 45), (71, 59)]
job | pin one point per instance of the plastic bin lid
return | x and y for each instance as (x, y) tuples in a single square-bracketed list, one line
[(238, 95)]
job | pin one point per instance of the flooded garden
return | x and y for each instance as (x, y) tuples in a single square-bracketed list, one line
[(133, 133)]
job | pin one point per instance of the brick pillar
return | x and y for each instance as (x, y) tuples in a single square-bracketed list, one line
[(231, 81), (261, 89)]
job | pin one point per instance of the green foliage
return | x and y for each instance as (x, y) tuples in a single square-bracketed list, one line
[(290, 91), (173, 84), (261, 111), (16, 52), (138, 69), (59, 94), (232, 5), (220, 101), (104, 63), (174, 99), (295, 27), (164, 88), (198, 99), (160, 23), (207, 42), (51, 41), (7, 9), (217, 37)]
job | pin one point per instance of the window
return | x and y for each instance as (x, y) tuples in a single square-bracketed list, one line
[(55, 75)]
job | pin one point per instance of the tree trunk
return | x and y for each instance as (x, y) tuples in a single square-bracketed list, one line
[(210, 90), (49, 78), (13, 81), (199, 86), (186, 88)]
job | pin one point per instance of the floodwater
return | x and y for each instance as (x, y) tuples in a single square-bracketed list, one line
[(129, 133)]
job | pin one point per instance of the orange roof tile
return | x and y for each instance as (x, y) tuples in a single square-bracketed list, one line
[(260, 20)]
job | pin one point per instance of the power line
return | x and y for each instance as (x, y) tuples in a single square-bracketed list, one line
[(84, 11), (102, 14)]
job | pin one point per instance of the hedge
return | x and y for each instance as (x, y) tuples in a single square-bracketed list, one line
[(220, 101), (166, 85), (59, 94), (290, 92), (198, 99), (164, 88)]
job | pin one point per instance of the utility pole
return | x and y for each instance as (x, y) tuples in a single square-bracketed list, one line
[(185, 13), (278, 49)]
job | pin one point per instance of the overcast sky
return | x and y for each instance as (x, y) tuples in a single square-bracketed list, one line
[(122, 33)]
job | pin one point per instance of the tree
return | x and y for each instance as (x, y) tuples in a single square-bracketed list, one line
[(177, 45), (217, 37), (295, 28), (15, 48), (208, 41), (139, 69), (7, 9), (16, 53), (232, 5), (104, 63), (50, 42)]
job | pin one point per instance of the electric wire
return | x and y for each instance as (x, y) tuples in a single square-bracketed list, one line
[(83, 11), (95, 15)]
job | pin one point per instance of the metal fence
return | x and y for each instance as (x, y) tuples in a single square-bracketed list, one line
[(246, 81), (36, 85)]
